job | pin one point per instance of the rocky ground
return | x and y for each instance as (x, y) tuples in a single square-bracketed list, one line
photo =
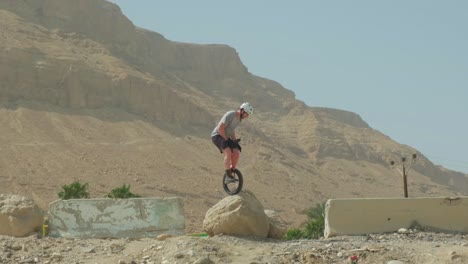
[(416, 246)]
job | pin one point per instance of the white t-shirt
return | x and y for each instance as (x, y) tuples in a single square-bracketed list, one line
[(230, 120)]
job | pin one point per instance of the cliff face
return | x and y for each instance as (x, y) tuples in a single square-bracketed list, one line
[(66, 63), (65, 69), (95, 34)]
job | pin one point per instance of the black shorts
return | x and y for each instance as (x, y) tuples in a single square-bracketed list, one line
[(223, 144), (219, 142)]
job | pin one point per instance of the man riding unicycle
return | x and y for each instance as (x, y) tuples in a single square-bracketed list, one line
[(224, 137)]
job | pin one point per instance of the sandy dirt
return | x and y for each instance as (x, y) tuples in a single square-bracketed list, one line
[(415, 247)]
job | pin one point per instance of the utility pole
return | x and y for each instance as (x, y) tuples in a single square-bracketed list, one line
[(405, 167)]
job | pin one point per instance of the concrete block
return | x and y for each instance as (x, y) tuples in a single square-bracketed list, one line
[(116, 218), (381, 215)]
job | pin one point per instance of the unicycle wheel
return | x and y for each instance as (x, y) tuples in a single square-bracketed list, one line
[(233, 185)]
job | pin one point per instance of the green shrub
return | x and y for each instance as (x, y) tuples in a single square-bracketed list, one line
[(75, 190), (293, 233), (122, 193), (314, 228)]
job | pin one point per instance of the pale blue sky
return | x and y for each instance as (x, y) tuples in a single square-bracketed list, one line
[(401, 65)]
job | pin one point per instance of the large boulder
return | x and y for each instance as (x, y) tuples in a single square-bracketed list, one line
[(19, 216), (240, 214), (278, 227)]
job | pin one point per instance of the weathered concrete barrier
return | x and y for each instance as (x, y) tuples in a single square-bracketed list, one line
[(367, 216), (116, 218)]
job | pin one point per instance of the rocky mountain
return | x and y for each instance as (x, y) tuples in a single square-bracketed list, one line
[(86, 95)]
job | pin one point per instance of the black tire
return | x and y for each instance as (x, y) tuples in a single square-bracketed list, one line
[(233, 187)]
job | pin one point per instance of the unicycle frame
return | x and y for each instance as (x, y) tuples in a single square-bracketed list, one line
[(240, 182)]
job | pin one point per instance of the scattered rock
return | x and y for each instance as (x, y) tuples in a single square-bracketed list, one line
[(19, 216), (392, 248), (278, 227), (403, 231), (203, 260), (163, 237)]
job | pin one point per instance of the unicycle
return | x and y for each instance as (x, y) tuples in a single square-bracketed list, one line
[(233, 185)]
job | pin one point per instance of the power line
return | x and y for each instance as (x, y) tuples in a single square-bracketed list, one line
[(451, 160), (451, 165)]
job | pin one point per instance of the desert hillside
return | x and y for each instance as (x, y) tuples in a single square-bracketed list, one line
[(85, 95)]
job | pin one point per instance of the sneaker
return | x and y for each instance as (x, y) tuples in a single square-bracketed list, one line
[(229, 179)]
